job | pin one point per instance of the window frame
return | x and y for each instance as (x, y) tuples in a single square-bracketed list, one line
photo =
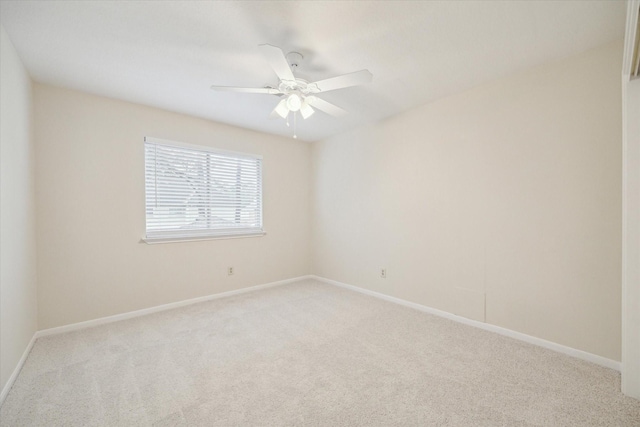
[(205, 234)]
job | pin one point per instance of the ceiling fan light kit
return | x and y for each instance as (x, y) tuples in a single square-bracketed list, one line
[(305, 109), (297, 94), (294, 102), (281, 109)]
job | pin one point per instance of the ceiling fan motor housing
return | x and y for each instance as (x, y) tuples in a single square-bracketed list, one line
[(299, 85)]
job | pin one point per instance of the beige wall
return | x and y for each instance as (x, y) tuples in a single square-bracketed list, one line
[(18, 303), (91, 211), (510, 191)]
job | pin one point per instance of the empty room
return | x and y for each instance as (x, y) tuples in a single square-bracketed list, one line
[(320, 213)]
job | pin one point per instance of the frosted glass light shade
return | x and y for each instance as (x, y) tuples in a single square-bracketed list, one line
[(294, 102)]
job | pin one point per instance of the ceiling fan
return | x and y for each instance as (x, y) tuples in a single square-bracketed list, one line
[(297, 94)]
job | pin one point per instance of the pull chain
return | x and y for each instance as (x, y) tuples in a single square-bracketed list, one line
[(295, 115)]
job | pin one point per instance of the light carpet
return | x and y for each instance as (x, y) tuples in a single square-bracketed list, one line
[(306, 354)]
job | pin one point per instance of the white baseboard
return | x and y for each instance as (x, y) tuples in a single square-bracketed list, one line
[(589, 357), (598, 360), (129, 315), (16, 371), (150, 310)]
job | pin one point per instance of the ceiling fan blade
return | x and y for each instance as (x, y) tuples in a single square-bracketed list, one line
[(326, 107), (267, 90), (278, 62), (345, 80)]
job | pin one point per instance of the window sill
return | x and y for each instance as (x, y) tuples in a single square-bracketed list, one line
[(181, 239)]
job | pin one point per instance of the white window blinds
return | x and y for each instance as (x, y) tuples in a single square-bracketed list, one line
[(198, 192)]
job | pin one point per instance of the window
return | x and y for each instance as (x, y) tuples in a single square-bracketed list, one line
[(197, 192)]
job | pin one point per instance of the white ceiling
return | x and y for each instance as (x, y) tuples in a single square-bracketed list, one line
[(166, 54)]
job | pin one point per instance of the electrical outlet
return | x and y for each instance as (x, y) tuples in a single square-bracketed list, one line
[(230, 271), (383, 273)]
